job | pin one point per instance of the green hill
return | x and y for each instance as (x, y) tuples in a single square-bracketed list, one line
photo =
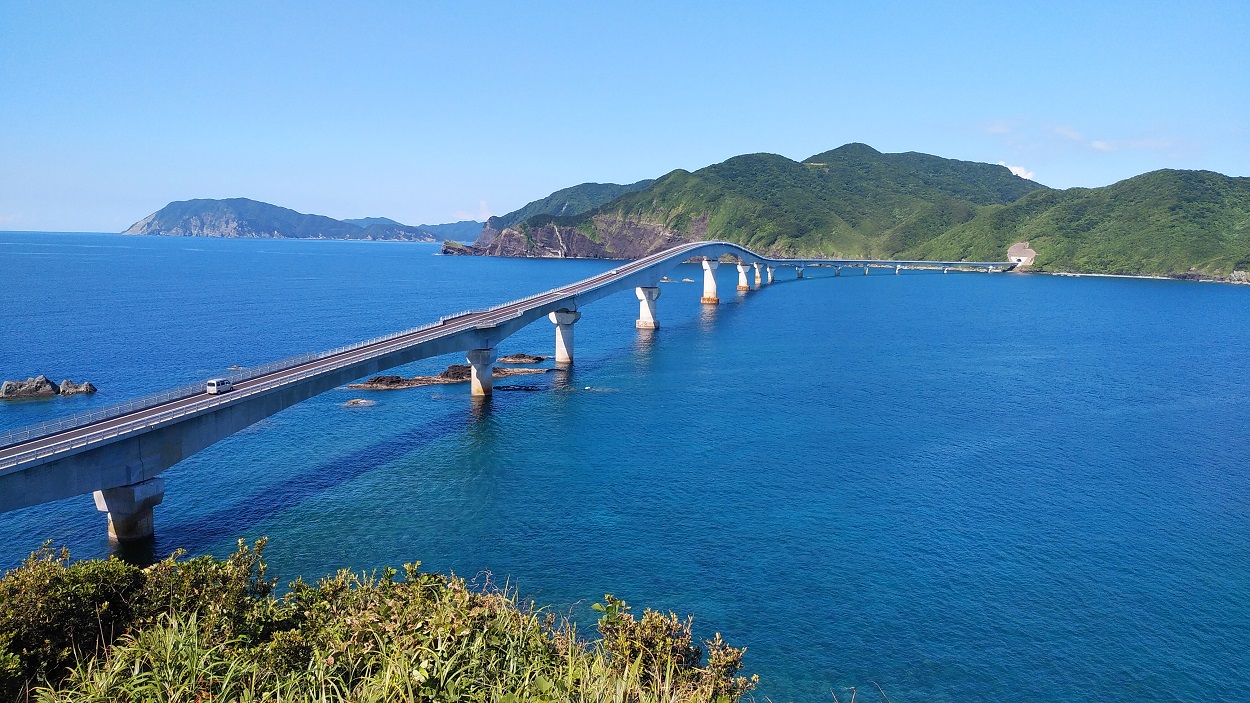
[(244, 218), (1160, 223), (852, 201), (363, 222), (567, 202), (855, 202)]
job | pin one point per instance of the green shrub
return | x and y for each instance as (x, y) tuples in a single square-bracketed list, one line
[(211, 629), (53, 612)]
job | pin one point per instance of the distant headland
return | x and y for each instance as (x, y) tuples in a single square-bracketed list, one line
[(244, 218)]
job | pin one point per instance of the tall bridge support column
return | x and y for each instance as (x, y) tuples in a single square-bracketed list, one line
[(798, 271), (770, 270), (646, 308), (482, 378), (564, 320), (743, 283), (759, 280), (709, 282), (130, 508), (898, 269), (837, 270), (865, 269), (946, 269)]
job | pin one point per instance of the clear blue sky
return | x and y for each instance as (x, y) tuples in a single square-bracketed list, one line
[(431, 112)]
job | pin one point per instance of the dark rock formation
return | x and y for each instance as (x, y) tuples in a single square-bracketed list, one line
[(458, 249), (37, 387), (68, 387), (612, 237), (456, 373), (520, 359)]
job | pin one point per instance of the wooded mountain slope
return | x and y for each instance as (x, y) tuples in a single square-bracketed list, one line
[(567, 202), (1159, 223), (241, 217), (854, 202)]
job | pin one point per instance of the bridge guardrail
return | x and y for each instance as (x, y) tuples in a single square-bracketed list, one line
[(174, 414), (71, 422), (50, 427)]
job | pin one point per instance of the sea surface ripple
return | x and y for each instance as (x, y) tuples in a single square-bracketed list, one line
[(960, 487)]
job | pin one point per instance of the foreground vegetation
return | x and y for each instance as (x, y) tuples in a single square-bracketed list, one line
[(208, 629)]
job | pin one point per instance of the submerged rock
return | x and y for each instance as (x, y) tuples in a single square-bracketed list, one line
[(360, 402), (520, 359), (37, 387), (68, 387)]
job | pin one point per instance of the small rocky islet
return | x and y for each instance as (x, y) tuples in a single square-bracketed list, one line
[(41, 387), (456, 373)]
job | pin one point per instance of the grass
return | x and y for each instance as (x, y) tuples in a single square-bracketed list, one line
[(205, 629)]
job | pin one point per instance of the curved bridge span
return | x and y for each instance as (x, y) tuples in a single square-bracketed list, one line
[(119, 453)]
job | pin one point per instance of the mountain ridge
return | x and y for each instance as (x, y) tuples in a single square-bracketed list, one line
[(246, 218), (857, 202)]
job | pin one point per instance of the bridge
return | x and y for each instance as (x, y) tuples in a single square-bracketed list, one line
[(118, 453)]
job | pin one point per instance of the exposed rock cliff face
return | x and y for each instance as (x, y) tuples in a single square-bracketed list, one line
[(611, 237)]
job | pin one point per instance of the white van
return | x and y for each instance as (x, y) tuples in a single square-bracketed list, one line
[(218, 385)]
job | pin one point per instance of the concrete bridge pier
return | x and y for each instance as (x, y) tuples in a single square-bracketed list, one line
[(646, 308), (130, 508), (759, 280), (743, 283), (865, 269), (837, 270), (946, 269), (564, 321), (798, 271), (482, 379), (770, 270), (898, 269), (709, 282)]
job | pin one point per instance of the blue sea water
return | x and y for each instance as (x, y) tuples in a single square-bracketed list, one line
[(960, 487)]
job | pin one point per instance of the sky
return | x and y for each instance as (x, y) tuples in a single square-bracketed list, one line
[(431, 112)]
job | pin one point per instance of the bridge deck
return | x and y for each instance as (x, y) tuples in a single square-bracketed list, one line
[(475, 329)]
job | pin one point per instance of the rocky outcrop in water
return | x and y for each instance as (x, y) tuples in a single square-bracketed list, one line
[(456, 373), (41, 387), (520, 359), (68, 387), (37, 387)]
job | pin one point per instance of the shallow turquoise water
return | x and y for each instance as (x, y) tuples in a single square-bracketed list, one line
[(962, 487)]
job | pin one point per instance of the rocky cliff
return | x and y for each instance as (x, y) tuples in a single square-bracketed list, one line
[(610, 236)]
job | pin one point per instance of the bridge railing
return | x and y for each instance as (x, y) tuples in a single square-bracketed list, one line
[(43, 429), (90, 417)]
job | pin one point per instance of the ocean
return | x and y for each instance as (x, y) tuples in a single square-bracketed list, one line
[(960, 487)]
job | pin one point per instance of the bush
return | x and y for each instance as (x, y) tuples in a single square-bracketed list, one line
[(210, 629)]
